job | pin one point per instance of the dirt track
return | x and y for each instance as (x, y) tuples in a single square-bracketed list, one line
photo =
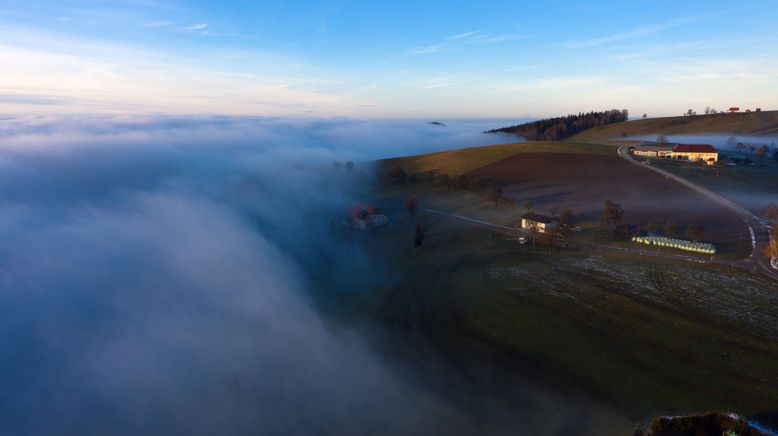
[(584, 182)]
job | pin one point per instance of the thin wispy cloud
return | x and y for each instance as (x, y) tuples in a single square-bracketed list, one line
[(32, 99), (128, 57), (456, 42), (155, 24), (631, 34), (480, 38), (427, 49), (195, 27), (462, 35), (437, 85)]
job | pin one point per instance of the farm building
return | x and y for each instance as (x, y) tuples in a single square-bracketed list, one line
[(650, 151), (695, 152), (540, 223), (643, 150), (690, 152), (364, 217)]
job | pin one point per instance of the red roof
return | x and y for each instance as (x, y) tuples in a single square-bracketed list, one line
[(694, 148), (362, 210)]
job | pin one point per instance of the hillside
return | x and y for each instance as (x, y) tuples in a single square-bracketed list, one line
[(558, 128), (458, 162), (754, 123)]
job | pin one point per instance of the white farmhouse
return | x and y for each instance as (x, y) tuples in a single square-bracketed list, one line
[(537, 222)]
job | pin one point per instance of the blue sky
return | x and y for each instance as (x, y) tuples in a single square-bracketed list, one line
[(403, 59)]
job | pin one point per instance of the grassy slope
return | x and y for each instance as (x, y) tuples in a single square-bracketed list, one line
[(463, 161), (649, 335), (762, 123)]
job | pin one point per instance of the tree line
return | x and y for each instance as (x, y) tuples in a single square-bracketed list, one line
[(612, 214), (554, 129)]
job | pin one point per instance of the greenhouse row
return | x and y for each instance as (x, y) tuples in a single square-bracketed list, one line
[(698, 247)]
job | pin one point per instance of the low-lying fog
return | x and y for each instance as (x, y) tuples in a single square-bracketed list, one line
[(720, 141), (155, 279)]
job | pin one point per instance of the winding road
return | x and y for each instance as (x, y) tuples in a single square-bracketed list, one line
[(759, 231)]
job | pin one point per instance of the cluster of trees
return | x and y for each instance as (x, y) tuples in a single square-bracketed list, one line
[(712, 111), (761, 150), (708, 111), (612, 214), (554, 129), (694, 231)]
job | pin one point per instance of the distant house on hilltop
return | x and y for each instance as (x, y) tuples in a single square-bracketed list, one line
[(734, 109), (364, 217), (540, 223)]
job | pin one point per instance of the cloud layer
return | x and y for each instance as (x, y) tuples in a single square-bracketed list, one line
[(156, 276)]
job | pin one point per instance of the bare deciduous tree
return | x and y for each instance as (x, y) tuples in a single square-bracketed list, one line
[(771, 212), (411, 205), (612, 213), (695, 231), (762, 151), (772, 249), (670, 229), (418, 237), (719, 166), (661, 142), (494, 194)]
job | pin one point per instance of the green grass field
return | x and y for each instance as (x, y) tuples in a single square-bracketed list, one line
[(458, 162), (648, 336), (762, 123)]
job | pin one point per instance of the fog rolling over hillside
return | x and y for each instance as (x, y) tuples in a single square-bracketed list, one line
[(156, 274)]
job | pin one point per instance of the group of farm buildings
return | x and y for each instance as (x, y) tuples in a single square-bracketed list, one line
[(690, 152)]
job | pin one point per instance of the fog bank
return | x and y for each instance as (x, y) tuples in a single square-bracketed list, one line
[(155, 278)]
